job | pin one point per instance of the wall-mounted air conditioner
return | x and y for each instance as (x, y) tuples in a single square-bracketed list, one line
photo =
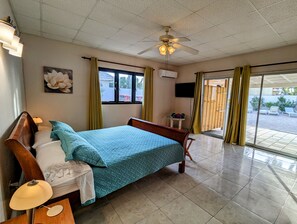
[(167, 74)]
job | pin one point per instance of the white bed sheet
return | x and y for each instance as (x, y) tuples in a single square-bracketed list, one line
[(75, 176), (65, 177), (64, 188)]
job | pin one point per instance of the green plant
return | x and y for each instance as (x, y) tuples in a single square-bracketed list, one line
[(270, 104), (281, 103), (255, 102)]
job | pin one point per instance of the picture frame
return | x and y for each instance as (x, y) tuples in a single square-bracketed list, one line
[(57, 80)]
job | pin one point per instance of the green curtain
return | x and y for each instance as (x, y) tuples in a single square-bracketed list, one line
[(148, 98), (196, 118), (245, 85), (95, 110), (237, 118), (232, 123)]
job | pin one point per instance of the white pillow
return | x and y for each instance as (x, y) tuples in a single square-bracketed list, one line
[(42, 137), (49, 154)]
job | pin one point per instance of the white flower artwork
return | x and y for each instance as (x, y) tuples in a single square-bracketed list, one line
[(57, 80)]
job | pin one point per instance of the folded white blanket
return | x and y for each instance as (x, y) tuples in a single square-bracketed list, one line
[(58, 174), (51, 159)]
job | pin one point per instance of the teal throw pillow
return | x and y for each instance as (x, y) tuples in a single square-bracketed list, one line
[(77, 148), (58, 125)]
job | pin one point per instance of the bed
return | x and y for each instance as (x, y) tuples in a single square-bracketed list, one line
[(136, 150)]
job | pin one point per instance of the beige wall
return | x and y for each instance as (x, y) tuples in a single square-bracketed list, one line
[(12, 103), (73, 108), (186, 73)]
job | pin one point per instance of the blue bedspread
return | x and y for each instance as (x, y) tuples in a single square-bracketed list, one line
[(130, 154)]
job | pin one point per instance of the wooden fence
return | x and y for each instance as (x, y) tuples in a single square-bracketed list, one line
[(214, 106)]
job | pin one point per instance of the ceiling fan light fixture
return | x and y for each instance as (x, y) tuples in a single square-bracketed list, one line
[(171, 49), (163, 49)]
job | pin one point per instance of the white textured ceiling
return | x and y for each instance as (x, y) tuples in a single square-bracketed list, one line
[(217, 28)]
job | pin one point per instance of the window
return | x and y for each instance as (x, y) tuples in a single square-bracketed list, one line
[(120, 86)]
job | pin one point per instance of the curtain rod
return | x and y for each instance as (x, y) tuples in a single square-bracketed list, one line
[(253, 66), (117, 63)]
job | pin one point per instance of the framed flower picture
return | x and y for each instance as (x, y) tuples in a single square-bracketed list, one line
[(57, 80)]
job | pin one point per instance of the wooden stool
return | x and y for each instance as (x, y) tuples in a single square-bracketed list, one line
[(188, 148)]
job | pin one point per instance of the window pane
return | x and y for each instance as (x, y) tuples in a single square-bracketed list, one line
[(139, 89), (125, 88), (107, 86)]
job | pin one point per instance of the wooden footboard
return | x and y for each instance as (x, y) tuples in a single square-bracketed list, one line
[(180, 136)]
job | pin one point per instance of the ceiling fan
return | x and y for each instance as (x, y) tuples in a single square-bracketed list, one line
[(168, 44)]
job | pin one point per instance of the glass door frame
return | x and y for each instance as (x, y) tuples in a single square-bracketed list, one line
[(226, 112), (258, 116)]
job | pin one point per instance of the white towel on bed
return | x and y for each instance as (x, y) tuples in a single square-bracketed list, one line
[(82, 173), (51, 159)]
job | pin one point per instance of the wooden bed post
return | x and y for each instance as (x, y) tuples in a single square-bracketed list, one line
[(178, 135), (181, 167)]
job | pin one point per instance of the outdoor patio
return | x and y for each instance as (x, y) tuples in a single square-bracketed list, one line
[(277, 132)]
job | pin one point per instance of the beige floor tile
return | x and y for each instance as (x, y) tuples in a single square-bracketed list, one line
[(97, 215), (160, 193), (281, 172), (235, 177), (278, 181), (287, 216), (147, 181), (214, 221), (156, 217), (291, 202), (269, 191), (183, 210), (207, 199), (182, 182), (133, 206), (223, 186), (233, 213), (198, 173), (166, 173), (258, 204), (294, 189)]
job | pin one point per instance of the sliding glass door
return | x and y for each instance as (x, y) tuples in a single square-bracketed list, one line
[(272, 113)]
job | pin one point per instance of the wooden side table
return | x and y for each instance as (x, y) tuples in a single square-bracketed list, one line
[(65, 217)]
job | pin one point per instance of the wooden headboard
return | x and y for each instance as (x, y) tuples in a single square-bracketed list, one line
[(20, 141)]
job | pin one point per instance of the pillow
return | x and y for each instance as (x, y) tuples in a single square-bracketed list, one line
[(58, 125), (42, 137), (49, 154), (77, 148)]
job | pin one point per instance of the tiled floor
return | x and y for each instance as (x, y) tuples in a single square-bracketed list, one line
[(225, 184)]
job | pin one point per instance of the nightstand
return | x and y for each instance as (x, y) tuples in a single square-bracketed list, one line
[(65, 217)]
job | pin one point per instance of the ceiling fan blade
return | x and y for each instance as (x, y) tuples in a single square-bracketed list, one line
[(180, 39), (185, 48), (150, 48)]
